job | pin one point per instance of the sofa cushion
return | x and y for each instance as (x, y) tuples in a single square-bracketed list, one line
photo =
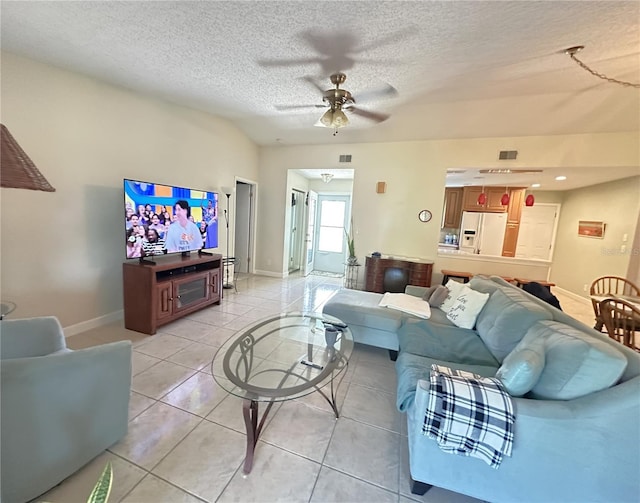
[(428, 292), (454, 288), (576, 364), (361, 308), (467, 306), (443, 342), (505, 319), (411, 368), (521, 369), (438, 296)]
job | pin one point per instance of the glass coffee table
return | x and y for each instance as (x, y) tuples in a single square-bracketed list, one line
[(280, 358)]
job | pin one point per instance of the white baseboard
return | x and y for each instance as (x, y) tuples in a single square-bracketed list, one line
[(83, 326), (272, 274), (574, 296)]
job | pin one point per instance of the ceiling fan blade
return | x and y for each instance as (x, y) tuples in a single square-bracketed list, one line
[(297, 107), (388, 91), (312, 81), (287, 62), (374, 116)]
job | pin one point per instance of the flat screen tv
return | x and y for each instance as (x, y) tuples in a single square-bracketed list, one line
[(161, 219)]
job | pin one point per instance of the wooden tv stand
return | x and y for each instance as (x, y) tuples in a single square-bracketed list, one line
[(157, 294)]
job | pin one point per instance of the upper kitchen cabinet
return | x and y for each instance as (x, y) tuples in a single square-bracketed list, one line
[(452, 207), (492, 204)]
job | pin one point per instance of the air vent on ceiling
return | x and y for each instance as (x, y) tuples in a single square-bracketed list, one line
[(345, 158), (507, 155)]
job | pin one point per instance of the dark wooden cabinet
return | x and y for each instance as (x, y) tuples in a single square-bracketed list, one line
[(157, 293), (452, 207), (419, 273)]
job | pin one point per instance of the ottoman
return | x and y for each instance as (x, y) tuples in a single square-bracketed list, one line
[(369, 324)]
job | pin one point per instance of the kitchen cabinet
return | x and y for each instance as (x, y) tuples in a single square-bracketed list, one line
[(516, 201), (452, 207), (492, 205)]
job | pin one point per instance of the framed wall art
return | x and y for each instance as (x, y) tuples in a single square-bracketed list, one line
[(591, 229)]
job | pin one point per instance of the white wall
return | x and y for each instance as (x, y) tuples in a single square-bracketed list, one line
[(415, 174), (62, 252)]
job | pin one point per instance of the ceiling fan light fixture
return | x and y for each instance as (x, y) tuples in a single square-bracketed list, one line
[(334, 119), (326, 177), (572, 51)]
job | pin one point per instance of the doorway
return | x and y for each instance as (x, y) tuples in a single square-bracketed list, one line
[(244, 228), (296, 230), (333, 214)]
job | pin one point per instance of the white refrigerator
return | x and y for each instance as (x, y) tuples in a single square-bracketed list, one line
[(482, 233)]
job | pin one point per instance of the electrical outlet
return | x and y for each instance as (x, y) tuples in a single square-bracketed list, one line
[(585, 287)]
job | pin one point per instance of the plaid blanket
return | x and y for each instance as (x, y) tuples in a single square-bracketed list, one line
[(469, 415)]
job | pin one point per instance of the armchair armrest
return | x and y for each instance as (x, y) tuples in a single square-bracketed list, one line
[(27, 337)]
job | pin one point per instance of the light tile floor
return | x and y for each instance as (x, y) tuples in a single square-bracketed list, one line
[(186, 439)]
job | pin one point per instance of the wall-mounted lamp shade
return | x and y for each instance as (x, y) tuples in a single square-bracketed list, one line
[(504, 200), (529, 200), (482, 199), (16, 169)]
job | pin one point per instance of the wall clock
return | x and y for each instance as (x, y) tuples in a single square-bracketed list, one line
[(424, 216)]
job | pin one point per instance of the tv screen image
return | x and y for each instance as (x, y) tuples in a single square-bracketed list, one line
[(162, 219)]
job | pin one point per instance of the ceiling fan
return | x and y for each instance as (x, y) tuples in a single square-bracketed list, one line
[(340, 100)]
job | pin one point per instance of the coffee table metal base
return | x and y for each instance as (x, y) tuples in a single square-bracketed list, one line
[(250, 412)]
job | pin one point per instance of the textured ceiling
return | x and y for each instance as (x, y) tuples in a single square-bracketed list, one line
[(461, 69)]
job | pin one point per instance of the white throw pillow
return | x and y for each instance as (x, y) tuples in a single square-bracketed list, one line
[(454, 288), (466, 307)]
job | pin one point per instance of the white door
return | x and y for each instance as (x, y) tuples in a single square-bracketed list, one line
[(492, 229), (537, 225), (330, 243), (309, 240)]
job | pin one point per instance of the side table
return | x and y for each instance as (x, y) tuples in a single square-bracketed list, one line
[(351, 276)]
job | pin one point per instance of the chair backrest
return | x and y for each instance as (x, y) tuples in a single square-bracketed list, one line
[(610, 285), (622, 320), (614, 285)]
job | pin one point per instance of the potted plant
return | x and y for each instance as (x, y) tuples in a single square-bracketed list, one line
[(352, 259)]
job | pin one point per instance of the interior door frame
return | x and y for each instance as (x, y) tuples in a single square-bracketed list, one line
[(247, 228), (309, 252)]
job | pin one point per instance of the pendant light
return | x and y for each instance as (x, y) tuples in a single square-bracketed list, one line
[(504, 200), (482, 198)]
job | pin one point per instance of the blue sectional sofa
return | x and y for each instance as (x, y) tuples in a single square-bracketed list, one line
[(577, 428)]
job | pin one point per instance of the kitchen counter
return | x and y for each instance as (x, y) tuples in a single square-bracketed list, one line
[(447, 251), (458, 260)]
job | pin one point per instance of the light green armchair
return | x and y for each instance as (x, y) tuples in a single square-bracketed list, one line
[(59, 408)]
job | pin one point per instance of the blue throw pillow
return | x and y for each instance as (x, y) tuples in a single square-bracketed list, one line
[(522, 368)]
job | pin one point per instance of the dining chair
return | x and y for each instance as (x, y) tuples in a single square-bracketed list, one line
[(609, 286), (622, 320)]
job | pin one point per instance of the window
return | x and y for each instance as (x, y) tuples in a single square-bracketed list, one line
[(331, 235)]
